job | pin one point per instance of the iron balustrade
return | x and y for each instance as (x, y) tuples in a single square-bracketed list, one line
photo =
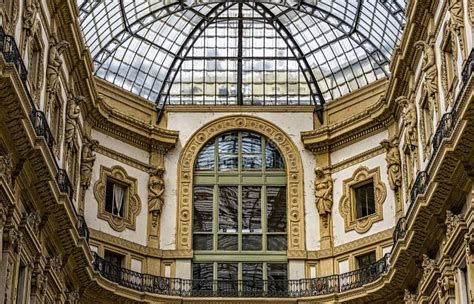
[(82, 228), (239, 288), (400, 230), (443, 130), (468, 68), (11, 54)]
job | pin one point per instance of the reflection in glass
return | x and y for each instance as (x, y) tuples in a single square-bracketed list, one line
[(203, 204), (273, 157), (227, 145), (205, 159), (251, 209), (227, 278), (228, 213), (251, 242), (252, 276), (227, 242), (202, 278), (251, 151), (276, 209), (277, 276), (202, 241), (276, 242)]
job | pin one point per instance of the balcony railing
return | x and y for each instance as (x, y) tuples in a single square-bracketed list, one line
[(240, 288), (82, 227)]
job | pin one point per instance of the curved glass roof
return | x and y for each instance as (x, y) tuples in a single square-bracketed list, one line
[(241, 52)]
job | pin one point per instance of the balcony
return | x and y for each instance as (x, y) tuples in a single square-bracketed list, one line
[(239, 288)]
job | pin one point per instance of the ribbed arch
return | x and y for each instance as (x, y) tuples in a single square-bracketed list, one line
[(342, 45)]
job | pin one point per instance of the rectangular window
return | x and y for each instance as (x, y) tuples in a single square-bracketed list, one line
[(228, 151), (251, 218), (227, 276), (35, 63), (252, 279), (365, 260), (202, 278), (114, 258), (22, 285), (277, 278), (115, 194), (251, 151), (364, 199)]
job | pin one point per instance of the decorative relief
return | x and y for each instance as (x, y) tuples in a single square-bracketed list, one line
[(54, 68), (33, 219), (87, 162), (6, 167), (347, 203), (446, 285), (290, 153), (409, 297), (73, 112), (323, 186), (452, 221), (430, 84), (156, 188), (29, 16), (427, 120), (11, 17), (393, 162), (15, 239), (448, 88), (456, 11), (428, 265), (132, 204), (409, 119)]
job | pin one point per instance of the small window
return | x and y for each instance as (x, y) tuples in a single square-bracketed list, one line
[(35, 61), (22, 284), (365, 202), (114, 258), (365, 260), (115, 194)]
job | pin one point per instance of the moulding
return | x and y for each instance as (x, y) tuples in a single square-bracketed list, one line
[(111, 153), (294, 167), (347, 207), (371, 153), (132, 204), (239, 108)]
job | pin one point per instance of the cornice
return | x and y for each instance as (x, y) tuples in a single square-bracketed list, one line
[(114, 154)]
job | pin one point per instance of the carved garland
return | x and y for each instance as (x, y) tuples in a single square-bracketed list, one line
[(132, 203), (38, 84), (295, 207), (425, 102), (448, 89), (347, 204)]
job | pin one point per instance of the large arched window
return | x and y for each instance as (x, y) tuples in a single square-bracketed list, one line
[(239, 217)]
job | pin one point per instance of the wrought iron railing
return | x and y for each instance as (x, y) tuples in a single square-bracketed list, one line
[(82, 227), (400, 230), (468, 68), (12, 55), (240, 288), (443, 130)]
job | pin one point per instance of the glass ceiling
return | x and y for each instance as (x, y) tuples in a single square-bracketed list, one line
[(241, 52)]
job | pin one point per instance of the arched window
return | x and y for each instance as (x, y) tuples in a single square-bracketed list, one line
[(239, 217)]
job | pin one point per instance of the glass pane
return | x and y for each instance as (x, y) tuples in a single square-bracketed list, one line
[(252, 279), (251, 242), (251, 209), (228, 213), (276, 209), (227, 278), (205, 160), (202, 278), (365, 200), (277, 278), (228, 149), (273, 157), (251, 151), (276, 242), (203, 205), (227, 242), (202, 242)]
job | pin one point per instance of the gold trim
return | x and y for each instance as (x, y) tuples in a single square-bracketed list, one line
[(132, 162), (239, 108), (132, 204), (296, 231), (347, 201), (357, 159)]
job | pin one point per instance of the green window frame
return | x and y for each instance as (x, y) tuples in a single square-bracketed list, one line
[(240, 203)]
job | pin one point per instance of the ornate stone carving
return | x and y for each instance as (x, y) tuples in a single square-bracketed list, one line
[(15, 239), (409, 297), (409, 119), (55, 263), (469, 243), (293, 164), (54, 67), (323, 186), (428, 266), (29, 16), (73, 112), (39, 282), (6, 167), (429, 68), (456, 11), (452, 221), (156, 188), (87, 162), (347, 204), (34, 221), (132, 204), (446, 285), (394, 170), (73, 297)]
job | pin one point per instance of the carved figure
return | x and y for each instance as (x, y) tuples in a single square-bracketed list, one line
[(29, 14), (323, 191), (393, 163), (409, 119), (156, 188), (6, 167), (54, 66), (452, 221), (429, 68), (87, 162), (34, 220), (56, 263), (428, 266), (73, 111)]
